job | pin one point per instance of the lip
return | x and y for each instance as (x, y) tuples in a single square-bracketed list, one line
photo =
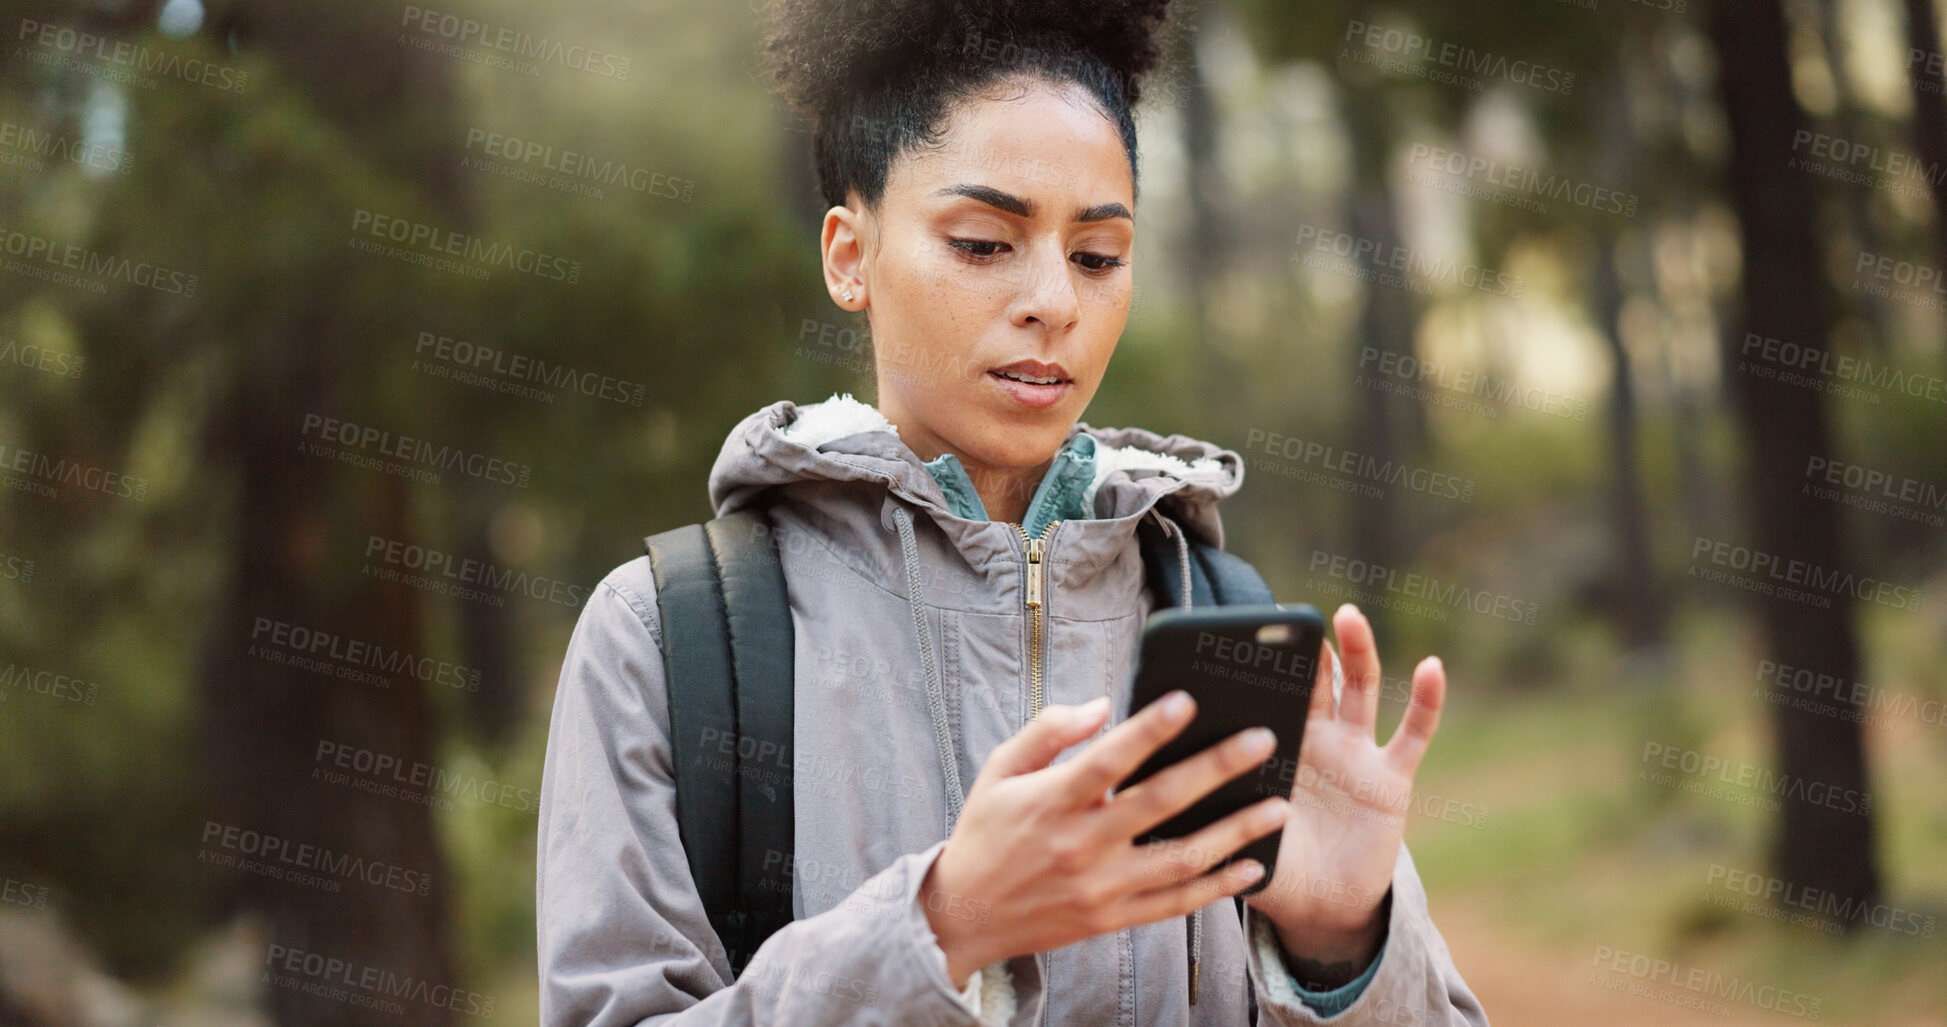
[(1033, 396)]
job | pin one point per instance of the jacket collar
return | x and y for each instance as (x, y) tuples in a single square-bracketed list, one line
[(1059, 497), (841, 441)]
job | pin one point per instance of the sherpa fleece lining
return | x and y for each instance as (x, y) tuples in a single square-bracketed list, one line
[(841, 415)]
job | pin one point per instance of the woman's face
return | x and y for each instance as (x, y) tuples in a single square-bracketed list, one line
[(1002, 255)]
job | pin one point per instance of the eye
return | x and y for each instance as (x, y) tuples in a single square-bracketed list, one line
[(977, 248), (1098, 264)]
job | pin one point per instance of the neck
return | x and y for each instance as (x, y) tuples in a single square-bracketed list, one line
[(1005, 492)]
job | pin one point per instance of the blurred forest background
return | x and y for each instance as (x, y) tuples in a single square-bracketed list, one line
[(1604, 309)]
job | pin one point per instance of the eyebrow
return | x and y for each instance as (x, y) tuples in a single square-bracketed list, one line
[(1025, 208)]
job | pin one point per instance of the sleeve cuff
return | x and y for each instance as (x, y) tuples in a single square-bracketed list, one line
[(989, 994), (1270, 954)]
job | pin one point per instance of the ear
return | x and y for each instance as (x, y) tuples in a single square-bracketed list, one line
[(842, 244)]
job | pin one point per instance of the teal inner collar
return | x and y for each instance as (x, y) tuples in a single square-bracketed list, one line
[(1059, 497)]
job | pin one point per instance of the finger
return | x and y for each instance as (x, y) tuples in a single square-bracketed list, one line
[(1166, 861), (1114, 756), (1186, 897), (1178, 787), (1415, 733), (1324, 705), (1042, 739), (1359, 703)]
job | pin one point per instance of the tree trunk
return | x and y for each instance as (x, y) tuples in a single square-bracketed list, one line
[(1929, 112), (1637, 601), (1785, 296), (299, 538)]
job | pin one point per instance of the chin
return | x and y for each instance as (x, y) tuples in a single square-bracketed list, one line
[(1018, 445)]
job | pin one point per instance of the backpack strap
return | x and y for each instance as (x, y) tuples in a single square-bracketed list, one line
[(727, 660), (1217, 578), (762, 651)]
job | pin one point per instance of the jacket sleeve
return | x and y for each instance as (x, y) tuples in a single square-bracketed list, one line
[(623, 939), (1413, 981)]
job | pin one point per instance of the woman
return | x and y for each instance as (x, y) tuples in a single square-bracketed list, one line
[(967, 595)]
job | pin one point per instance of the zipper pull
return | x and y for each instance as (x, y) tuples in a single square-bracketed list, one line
[(1036, 546), (1195, 966)]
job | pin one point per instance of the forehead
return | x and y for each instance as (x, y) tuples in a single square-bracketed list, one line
[(1023, 136)]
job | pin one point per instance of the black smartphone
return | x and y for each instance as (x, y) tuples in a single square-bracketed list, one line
[(1246, 666)]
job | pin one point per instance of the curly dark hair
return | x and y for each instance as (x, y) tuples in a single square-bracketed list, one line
[(876, 78)]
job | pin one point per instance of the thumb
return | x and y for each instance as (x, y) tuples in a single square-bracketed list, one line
[(1042, 739)]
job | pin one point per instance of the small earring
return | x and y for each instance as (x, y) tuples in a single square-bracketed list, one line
[(848, 295)]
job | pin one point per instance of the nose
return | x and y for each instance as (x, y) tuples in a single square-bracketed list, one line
[(1047, 293)]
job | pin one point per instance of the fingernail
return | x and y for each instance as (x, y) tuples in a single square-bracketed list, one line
[(1250, 869), (1176, 705), (1259, 740), (1271, 813), (1092, 707)]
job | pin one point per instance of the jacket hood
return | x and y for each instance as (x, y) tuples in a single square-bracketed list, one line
[(841, 439)]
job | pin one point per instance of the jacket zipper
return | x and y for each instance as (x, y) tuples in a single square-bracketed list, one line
[(1036, 549)]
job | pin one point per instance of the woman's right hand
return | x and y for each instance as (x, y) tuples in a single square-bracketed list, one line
[(1046, 856)]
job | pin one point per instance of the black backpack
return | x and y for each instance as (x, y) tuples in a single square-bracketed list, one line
[(727, 658)]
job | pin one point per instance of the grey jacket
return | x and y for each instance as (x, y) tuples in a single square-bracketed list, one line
[(886, 715)]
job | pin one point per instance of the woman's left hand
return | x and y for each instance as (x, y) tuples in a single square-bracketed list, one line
[(1349, 800)]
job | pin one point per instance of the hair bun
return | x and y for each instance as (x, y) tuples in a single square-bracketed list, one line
[(822, 51)]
